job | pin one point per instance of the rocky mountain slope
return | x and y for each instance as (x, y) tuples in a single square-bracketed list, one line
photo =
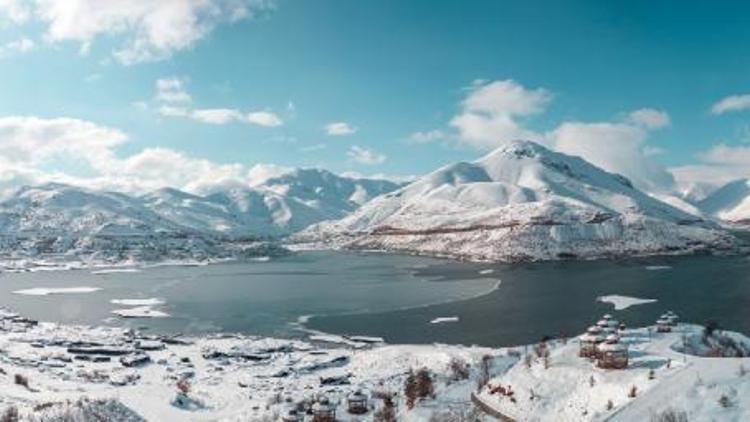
[(522, 202)]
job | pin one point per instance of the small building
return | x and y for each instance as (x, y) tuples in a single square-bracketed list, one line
[(602, 323), (663, 325), (324, 411), (607, 317), (671, 317), (588, 342), (612, 354), (357, 403)]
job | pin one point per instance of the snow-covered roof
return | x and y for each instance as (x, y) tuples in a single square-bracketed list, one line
[(612, 347)]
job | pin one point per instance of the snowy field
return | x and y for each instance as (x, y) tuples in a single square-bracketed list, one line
[(53, 370)]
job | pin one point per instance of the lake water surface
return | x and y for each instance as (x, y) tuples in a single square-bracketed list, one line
[(396, 297)]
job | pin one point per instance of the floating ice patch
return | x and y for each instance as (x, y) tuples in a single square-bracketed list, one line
[(44, 291), (138, 302), (116, 270), (140, 312), (623, 302), (487, 271), (441, 320), (658, 267)]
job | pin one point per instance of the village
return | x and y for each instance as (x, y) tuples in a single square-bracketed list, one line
[(611, 372)]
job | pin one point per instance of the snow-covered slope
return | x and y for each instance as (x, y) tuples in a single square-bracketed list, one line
[(56, 218), (729, 203), (522, 201)]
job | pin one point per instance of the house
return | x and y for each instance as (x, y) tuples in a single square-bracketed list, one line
[(612, 354)]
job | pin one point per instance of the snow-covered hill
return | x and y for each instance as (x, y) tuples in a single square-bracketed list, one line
[(62, 219), (730, 203), (521, 202)]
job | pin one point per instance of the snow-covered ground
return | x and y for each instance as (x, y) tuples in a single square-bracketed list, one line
[(48, 367)]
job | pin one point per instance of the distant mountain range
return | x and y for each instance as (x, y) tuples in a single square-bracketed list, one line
[(730, 203), (280, 206), (522, 202)]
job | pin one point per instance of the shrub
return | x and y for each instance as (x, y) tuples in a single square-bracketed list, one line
[(21, 380), (592, 381), (417, 386), (742, 371), (724, 401), (610, 405), (485, 369), (10, 414), (651, 374), (633, 391), (459, 370), (387, 412), (670, 415)]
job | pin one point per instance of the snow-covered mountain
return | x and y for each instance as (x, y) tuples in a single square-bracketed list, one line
[(730, 203), (520, 202), (56, 218)]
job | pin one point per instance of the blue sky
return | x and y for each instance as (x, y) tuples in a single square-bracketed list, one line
[(397, 74)]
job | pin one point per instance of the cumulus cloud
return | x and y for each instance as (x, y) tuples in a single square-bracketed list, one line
[(731, 103), (34, 141), (365, 156), (35, 150), (616, 147), (496, 112), (150, 30), (492, 113), (340, 129), (175, 101)]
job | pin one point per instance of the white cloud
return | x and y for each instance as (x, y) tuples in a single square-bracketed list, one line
[(616, 147), (365, 155), (731, 103), (22, 45), (427, 137), (264, 118), (649, 118), (34, 141), (717, 166), (17, 11), (35, 150), (490, 113), (216, 116), (172, 90), (340, 129), (175, 101), (150, 30)]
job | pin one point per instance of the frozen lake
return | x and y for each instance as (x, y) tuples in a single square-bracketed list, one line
[(404, 299), (252, 297)]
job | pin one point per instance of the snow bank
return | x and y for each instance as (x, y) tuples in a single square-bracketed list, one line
[(623, 302), (441, 320), (45, 291), (138, 302), (140, 312), (658, 267), (116, 271)]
